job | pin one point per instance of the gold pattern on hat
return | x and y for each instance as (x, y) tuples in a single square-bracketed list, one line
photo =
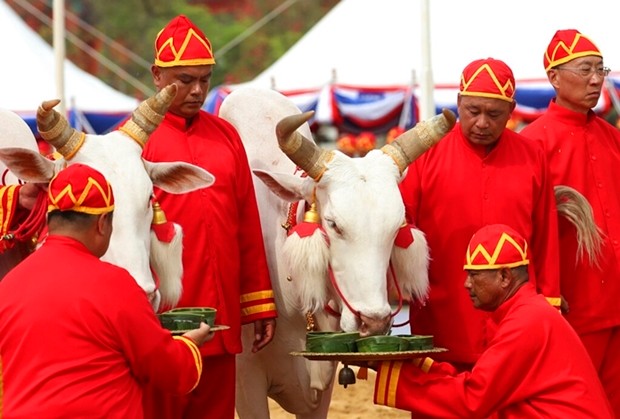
[(78, 201), (503, 88), (568, 49), (177, 54), (492, 258)]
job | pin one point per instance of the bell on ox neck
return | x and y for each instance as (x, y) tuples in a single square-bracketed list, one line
[(346, 376), (312, 215)]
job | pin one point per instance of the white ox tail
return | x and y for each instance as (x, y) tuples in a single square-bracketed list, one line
[(576, 208)]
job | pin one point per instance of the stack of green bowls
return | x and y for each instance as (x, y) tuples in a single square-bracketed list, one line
[(418, 342), (334, 342)]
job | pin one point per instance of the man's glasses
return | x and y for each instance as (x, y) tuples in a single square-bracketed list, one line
[(586, 72)]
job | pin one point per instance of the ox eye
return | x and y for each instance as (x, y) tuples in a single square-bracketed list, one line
[(332, 225)]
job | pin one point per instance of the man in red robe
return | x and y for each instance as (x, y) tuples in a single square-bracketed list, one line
[(584, 153), (224, 260), (479, 173), (535, 365), (78, 336)]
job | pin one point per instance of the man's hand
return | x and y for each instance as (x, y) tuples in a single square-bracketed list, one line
[(264, 331), (200, 335)]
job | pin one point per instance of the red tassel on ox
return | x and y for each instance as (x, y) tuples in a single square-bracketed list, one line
[(310, 225), (404, 237), (163, 229)]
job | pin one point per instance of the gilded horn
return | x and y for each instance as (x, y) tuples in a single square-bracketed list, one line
[(55, 130), (413, 143), (302, 151), (149, 114)]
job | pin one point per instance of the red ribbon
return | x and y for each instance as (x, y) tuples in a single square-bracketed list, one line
[(404, 237)]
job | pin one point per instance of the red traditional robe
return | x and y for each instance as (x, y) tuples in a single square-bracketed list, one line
[(584, 153), (224, 259), (534, 367), (78, 338), (453, 190)]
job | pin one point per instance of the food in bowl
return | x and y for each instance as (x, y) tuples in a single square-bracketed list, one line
[(381, 343), (207, 313), (180, 321)]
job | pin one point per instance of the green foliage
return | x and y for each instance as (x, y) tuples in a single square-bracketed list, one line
[(135, 24)]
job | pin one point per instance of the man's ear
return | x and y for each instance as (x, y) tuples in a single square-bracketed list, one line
[(506, 276), (513, 105), (102, 222), (553, 75)]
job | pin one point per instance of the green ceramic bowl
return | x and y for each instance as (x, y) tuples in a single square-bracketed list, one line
[(315, 334), (418, 342), (207, 313), (180, 321), (382, 343), (331, 341)]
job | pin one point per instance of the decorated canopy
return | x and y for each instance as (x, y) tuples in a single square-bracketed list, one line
[(360, 64)]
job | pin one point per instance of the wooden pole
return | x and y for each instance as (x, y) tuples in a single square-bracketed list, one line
[(427, 101), (59, 52)]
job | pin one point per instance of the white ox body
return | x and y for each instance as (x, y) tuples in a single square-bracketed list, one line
[(118, 158), (361, 211)]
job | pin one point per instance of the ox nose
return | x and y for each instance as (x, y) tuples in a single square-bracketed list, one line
[(374, 326)]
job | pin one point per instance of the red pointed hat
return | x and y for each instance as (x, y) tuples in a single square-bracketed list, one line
[(496, 246), (180, 43), (488, 78), (80, 188), (566, 45)]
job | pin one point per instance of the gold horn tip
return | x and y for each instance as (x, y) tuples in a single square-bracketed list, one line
[(48, 105), (450, 116), (290, 123), (171, 89)]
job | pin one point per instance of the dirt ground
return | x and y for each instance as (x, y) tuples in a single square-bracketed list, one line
[(353, 402)]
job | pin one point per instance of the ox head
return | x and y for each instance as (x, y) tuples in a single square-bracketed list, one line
[(361, 212), (118, 156)]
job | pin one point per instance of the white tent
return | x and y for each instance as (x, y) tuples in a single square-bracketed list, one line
[(28, 76), (377, 44)]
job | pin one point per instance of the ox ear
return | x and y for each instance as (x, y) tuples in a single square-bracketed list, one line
[(178, 177), (28, 165), (290, 188)]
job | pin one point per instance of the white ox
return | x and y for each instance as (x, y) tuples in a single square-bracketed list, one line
[(361, 212), (117, 155)]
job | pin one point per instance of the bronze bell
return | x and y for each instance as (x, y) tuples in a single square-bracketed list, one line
[(312, 215), (346, 376), (159, 216)]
